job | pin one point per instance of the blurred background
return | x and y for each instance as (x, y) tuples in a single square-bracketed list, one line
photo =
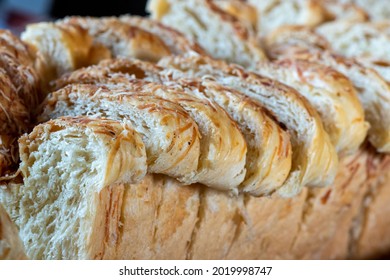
[(15, 14)]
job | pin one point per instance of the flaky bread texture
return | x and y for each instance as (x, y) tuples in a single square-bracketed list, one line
[(281, 40), (74, 159), (121, 38), (171, 137), (63, 48), (240, 9), (268, 159), (11, 247), (373, 91), (336, 9), (222, 35), (314, 157), (362, 40), (274, 13), (176, 41), (330, 93), (376, 9), (223, 149), (269, 154)]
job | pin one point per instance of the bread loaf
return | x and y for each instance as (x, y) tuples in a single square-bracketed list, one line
[(314, 157), (360, 40), (222, 35), (266, 169)]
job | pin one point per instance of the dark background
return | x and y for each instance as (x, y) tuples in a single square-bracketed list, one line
[(62, 8)]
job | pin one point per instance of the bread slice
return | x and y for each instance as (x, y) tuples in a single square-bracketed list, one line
[(372, 89), (337, 10), (120, 38), (275, 13), (293, 37), (172, 148), (176, 41), (74, 159), (269, 153), (240, 9), (361, 40), (314, 157), (376, 9), (11, 247), (268, 159), (330, 93), (222, 35), (63, 48)]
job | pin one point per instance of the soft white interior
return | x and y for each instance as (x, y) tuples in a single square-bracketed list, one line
[(48, 40), (216, 36), (63, 170), (165, 149)]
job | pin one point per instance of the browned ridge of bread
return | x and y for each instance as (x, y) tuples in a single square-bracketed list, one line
[(220, 33), (269, 150), (314, 157), (11, 247)]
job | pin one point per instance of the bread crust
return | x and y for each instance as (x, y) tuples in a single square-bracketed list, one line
[(121, 38)]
